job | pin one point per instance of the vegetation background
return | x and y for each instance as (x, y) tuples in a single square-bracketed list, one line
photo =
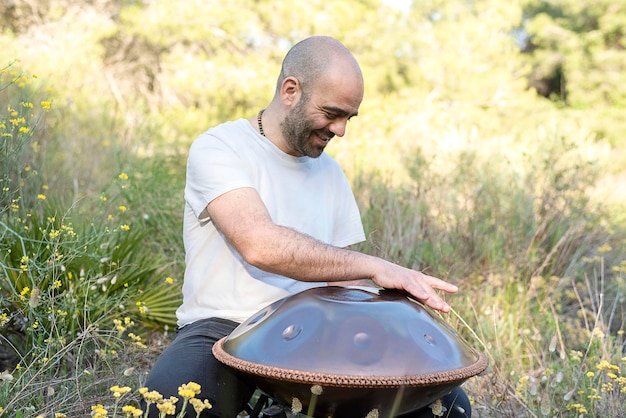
[(489, 150)]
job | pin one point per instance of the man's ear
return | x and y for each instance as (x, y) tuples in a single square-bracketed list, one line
[(290, 91)]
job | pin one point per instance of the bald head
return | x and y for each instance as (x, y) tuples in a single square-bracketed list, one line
[(312, 58)]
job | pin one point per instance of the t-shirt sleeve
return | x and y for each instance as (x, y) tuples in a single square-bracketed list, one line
[(348, 229), (213, 168)]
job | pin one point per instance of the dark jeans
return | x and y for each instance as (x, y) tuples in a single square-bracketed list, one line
[(189, 358)]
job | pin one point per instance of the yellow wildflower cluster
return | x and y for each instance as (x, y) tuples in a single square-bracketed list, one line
[(168, 406), (577, 407), (522, 385), (189, 390), (606, 366), (200, 405), (118, 391), (132, 411), (150, 396), (24, 266), (593, 395), (124, 180), (143, 309), (136, 340), (576, 355), (119, 326), (99, 411), (4, 319)]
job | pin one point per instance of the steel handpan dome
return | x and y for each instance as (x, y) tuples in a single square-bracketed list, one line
[(367, 350)]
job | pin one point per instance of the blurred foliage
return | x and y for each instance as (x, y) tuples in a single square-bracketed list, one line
[(167, 70)]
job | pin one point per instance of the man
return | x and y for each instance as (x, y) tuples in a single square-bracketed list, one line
[(268, 214)]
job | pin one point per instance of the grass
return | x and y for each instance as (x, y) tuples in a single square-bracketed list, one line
[(87, 273)]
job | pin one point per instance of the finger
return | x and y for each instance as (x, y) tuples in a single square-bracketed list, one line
[(427, 294), (421, 291), (436, 283)]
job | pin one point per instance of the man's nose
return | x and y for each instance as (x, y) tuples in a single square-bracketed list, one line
[(338, 127)]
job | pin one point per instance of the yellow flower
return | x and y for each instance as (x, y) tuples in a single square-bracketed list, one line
[(125, 227), (169, 280), (122, 208), (604, 365), (59, 415), (45, 105), (590, 374), (98, 411), (132, 411), (186, 393), (152, 396), (119, 391), (166, 407), (189, 390), (576, 355), (123, 176), (597, 332), (4, 319), (24, 130), (199, 405), (143, 309), (41, 196)]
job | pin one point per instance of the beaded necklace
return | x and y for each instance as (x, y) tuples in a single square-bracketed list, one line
[(258, 118)]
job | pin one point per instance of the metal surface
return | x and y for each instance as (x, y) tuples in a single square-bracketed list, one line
[(365, 349)]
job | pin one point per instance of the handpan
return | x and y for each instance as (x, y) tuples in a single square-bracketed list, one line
[(348, 352)]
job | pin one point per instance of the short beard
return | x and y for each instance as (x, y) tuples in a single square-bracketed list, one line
[(297, 130)]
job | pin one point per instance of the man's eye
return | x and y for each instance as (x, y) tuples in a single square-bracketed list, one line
[(331, 116)]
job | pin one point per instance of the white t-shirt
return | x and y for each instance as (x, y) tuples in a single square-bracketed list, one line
[(310, 195)]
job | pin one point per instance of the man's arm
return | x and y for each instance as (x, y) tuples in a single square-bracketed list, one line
[(243, 219)]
